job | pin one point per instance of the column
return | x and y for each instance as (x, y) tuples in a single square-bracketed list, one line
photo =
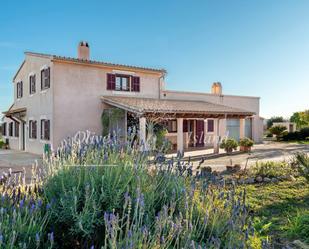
[(222, 127), (180, 134), (216, 136), (142, 130), (194, 132), (242, 128)]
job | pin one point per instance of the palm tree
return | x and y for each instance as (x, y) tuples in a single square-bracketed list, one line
[(277, 130), (303, 164)]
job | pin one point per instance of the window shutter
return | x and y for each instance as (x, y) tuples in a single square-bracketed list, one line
[(34, 129), (47, 136), (185, 125), (111, 81), (48, 77), (135, 84), (42, 123)]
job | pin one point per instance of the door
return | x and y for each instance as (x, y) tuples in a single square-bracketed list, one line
[(199, 132), (23, 137)]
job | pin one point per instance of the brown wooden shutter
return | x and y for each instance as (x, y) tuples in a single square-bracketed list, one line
[(34, 129), (185, 125), (42, 133), (111, 81), (47, 129), (48, 77), (135, 84)]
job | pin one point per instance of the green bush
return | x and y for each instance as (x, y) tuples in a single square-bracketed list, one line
[(101, 193), (278, 131), (246, 142), (271, 169), (298, 227), (302, 162), (229, 144)]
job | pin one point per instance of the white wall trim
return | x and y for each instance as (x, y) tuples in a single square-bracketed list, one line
[(124, 72)]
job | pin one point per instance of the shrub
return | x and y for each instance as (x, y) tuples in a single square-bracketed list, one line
[(278, 131), (101, 193), (229, 144), (291, 136), (271, 169), (304, 133), (246, 142), (302, 161), (298, 227)]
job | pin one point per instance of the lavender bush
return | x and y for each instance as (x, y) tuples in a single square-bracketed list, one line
[(104, 193)]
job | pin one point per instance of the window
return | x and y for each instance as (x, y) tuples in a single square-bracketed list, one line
[(32, 84), (121, 82), (45, 129), (19, 88), (172, 126), (32, 129), (16, 133), (11, 129), (210, 125), (45, 78), (4, 129)]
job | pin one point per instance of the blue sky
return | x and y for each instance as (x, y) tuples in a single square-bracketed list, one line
[(258, 48)]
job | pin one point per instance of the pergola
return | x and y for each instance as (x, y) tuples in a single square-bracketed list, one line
[(145, 108)]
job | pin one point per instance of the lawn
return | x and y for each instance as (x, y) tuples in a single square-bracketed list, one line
[(280, 209)]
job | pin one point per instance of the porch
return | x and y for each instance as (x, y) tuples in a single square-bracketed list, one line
[(192, 125)]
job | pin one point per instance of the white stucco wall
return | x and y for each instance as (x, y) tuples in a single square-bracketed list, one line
[(248, 103), (39, 105), (77, 96)]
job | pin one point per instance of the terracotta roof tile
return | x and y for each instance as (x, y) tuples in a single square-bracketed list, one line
[(57, 57), (145, 105)]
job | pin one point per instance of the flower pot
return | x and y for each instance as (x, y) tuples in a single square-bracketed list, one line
[(245, 148)]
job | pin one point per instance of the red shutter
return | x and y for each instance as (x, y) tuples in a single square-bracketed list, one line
[(111, 81), (185, 125), (135, 84)]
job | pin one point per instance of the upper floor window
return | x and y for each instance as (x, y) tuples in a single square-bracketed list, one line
[(45, 78), (11, 129), (19, 89), (45, 129), (120, 82), (16, 129), (210, 125), (4, 129), (32, 84), (32, 129)]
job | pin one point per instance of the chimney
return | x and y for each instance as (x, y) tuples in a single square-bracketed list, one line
[(216, 88), (83, 51)]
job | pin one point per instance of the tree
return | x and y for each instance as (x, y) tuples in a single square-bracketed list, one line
[(272, 120), (301, 119), (277, 130)]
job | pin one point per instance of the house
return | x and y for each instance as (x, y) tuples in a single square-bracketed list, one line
[(56, 96)]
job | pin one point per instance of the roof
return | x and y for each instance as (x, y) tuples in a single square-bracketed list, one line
[(14, 111), (93, 62), (147, 105)]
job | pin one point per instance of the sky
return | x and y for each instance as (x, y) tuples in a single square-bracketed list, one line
[(254, 48)]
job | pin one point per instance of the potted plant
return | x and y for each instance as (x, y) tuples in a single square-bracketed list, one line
[(229, 144), (245, 144)]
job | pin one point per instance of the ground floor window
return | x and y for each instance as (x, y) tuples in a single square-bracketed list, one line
[(16, 129), (11, 129), (210, 125), (172, 126), (32, 129), (45, 129), (4, 132)]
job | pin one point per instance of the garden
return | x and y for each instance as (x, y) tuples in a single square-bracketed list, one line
[(102, 192)]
